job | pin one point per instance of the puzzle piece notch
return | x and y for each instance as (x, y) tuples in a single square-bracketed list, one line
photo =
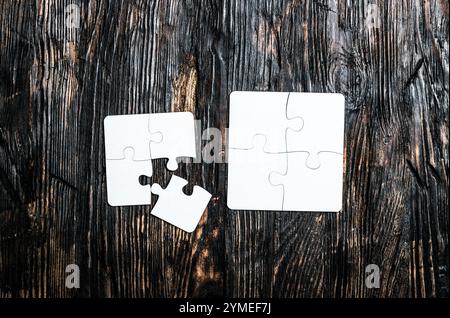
[(129, 131), (122, 178), (292, 117), (176, 208), (248, 177), (271, 120), (323, 129), (312, 161), (178, 137), (305, 189)]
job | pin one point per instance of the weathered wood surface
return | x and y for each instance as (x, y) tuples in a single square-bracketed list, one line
[(57, 84)]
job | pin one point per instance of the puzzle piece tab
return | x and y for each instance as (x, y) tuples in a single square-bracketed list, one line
[(178, 209), (122, 180), (178, 139), (305, 189), (260, 113), (248, 178)]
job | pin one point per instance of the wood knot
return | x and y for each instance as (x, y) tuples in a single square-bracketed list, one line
[(348, 75)]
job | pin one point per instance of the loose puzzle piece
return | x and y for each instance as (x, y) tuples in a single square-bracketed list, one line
[(323, 129), (305, 189), (260, 113), (178, 209), (123, 131), (122, 180), (178, 139), (248, 178)]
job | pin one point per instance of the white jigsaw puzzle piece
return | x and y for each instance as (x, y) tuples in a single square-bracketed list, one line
[(305, 189), (253, 113), (248, 178), (178, 139), (178, 209), (123, 131), (323, 128), (122, 180)]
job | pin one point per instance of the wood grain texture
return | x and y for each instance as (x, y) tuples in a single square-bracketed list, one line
[(57, 84)]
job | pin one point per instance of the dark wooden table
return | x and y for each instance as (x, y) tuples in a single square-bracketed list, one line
[(57, 83)]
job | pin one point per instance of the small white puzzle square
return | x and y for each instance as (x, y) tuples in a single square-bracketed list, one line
[(178, 137), (299, 167), (176, 208), (253, 167), (306, 189), (122, 180)]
